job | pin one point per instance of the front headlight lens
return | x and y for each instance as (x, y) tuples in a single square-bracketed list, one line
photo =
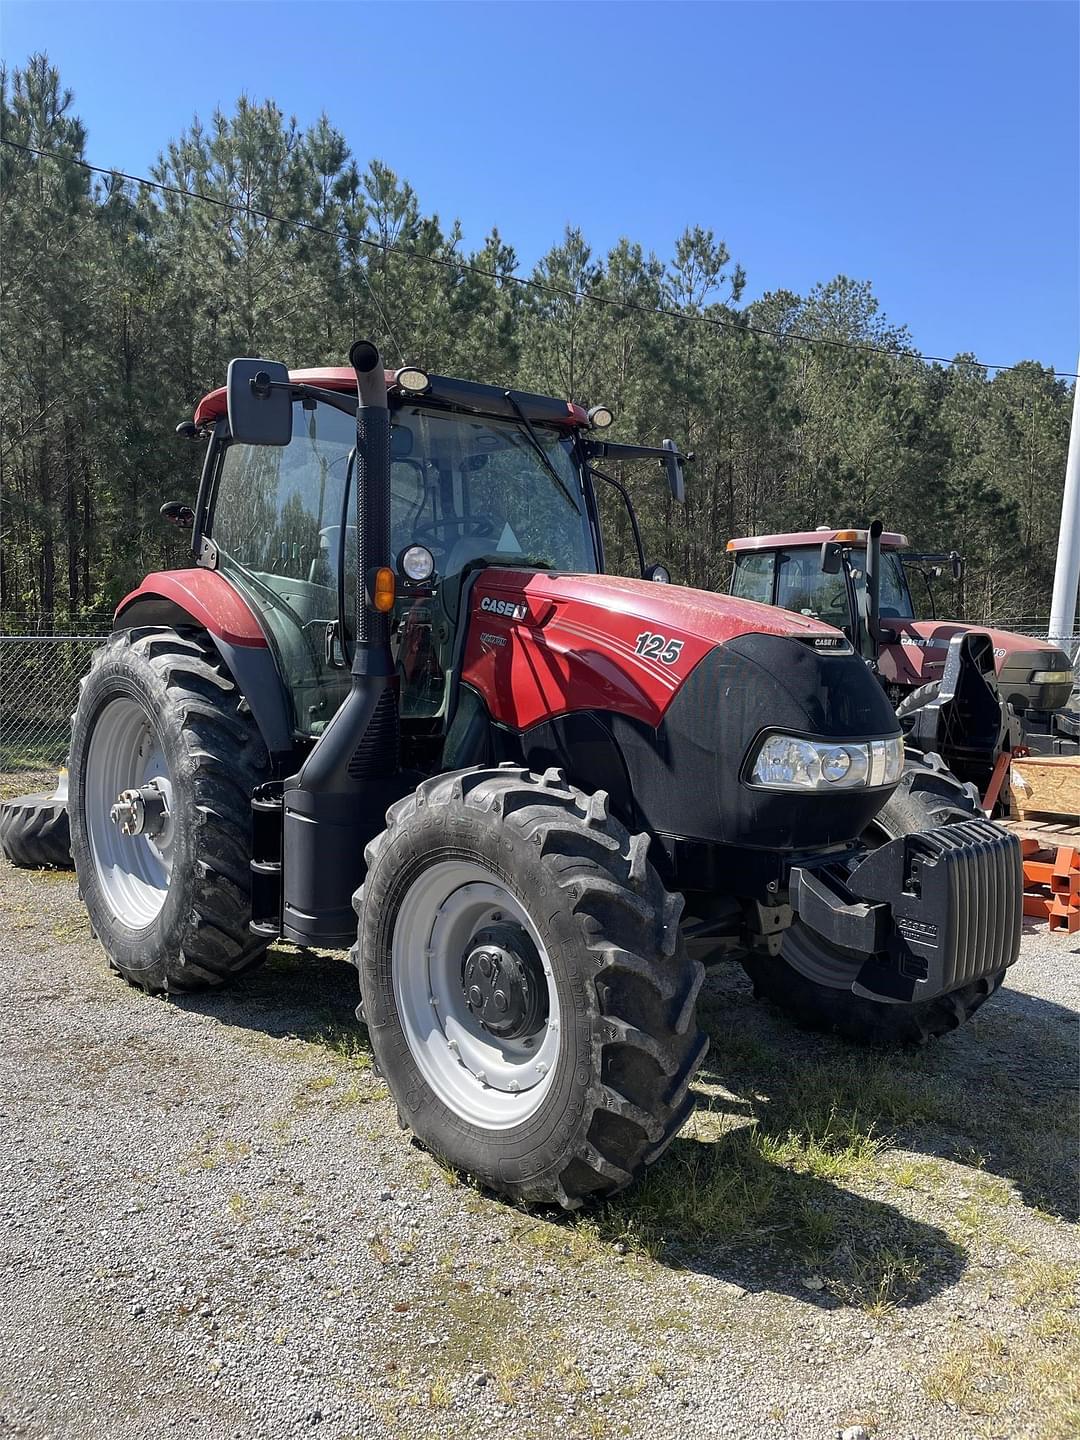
[(788, 762), (1051, 677)]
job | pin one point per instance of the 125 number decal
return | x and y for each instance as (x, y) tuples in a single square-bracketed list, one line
[(658, 647)]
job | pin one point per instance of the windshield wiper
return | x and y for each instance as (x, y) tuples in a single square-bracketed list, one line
[(545, 458)]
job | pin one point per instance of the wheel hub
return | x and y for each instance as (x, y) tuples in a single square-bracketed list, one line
[(502, 977), (141, 812)]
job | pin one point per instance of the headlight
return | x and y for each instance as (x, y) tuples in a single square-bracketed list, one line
[(1052, 677), (788, 762)]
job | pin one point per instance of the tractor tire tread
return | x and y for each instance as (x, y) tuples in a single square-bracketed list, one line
[(34, 832), (640, 986), (213, 943)]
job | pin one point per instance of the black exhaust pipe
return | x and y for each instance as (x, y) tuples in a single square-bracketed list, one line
[(873, 588), (338, 801)]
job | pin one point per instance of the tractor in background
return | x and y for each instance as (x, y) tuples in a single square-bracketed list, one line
[(966, 693)]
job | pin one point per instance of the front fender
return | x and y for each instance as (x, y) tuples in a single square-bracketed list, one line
[(205, 598)]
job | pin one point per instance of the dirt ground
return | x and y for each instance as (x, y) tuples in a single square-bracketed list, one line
[(213, 1226)]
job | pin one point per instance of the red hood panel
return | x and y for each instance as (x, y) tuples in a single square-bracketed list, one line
[(541, 644), (919, 655)]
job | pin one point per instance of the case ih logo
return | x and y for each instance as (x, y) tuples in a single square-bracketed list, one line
[(508, 608)]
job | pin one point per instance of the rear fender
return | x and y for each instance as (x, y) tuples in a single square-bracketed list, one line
[(204, 598)]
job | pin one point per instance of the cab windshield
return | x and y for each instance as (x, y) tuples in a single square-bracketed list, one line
[(795, 580), (468, 488)]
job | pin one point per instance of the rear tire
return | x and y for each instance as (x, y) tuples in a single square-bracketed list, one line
[(620, 1033), (171, 908), (34, 832), (916, 699), (810, 979)]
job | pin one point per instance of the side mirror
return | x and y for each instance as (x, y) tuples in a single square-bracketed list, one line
[(957, 565), (260, 402), (675, 478), (832, 558), (177, 513), (660, 573)]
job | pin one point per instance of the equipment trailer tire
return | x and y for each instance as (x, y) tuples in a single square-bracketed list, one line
[(927, 796), (34, 831), (160, 742), (497, 877)]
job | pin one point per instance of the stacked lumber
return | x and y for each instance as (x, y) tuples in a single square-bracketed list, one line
[(1052, 884)]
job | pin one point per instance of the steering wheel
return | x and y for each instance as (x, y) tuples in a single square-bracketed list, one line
[(466, 524)]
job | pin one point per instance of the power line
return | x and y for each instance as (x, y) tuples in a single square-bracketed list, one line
[(508, 278)]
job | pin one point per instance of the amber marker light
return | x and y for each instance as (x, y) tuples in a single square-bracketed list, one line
[(383, 591)]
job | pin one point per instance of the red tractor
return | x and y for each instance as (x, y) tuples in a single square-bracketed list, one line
[(823, 573), (969, 694), (397, 705)]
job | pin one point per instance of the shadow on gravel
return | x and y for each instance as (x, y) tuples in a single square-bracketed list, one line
[(999, 1095), (293, 995), (763, 1188), (767, 1187)]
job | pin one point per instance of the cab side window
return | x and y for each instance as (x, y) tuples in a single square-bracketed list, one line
[(753, 579)]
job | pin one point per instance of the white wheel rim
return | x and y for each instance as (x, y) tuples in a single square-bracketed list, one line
[(490, 1082), (133, 871)]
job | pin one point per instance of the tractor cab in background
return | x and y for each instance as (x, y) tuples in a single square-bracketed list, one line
[(823, 574)]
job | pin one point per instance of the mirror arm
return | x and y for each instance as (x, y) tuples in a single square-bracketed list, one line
[(617, 485)]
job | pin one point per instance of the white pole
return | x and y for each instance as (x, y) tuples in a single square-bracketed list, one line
[(1067, 570)]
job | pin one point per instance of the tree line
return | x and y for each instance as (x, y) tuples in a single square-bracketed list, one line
[(121, 304)]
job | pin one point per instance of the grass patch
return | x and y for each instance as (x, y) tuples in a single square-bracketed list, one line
[(838, 1091), (214, 1151), (1029, 1384)]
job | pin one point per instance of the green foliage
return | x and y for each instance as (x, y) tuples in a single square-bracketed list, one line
[(122, 305)]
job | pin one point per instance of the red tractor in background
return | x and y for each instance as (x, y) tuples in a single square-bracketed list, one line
[(397, 706), (823, 573), (968, 693)]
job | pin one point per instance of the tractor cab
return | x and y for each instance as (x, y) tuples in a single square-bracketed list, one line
[(822, 574), (479, 477)]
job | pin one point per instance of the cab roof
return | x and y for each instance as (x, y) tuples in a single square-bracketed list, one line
[(457, 394), (890, 539)]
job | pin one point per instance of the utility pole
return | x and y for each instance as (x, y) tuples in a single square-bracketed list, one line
[(1067, 569)]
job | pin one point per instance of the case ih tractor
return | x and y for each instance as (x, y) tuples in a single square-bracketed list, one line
[(397, 705), (823, 573), (960, 691)]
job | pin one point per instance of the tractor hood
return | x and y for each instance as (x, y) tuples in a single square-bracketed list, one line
[(661, 695), (918, 654), (541, 643)]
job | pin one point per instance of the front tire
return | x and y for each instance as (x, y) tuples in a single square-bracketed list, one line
[(810, 979), (159, 717), (579, 1077)]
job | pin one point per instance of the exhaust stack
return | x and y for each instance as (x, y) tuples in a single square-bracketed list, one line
[(338, 801), (873, 588)]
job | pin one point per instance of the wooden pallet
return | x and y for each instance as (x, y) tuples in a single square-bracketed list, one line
[(1049, 830), (1046, 785)]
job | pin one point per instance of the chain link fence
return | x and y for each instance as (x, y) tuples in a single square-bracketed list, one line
[(39, 686)]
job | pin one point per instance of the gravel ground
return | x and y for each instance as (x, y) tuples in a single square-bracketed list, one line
[(213, 1227)]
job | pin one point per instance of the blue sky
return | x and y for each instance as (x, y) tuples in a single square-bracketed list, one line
[(931, 148)]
